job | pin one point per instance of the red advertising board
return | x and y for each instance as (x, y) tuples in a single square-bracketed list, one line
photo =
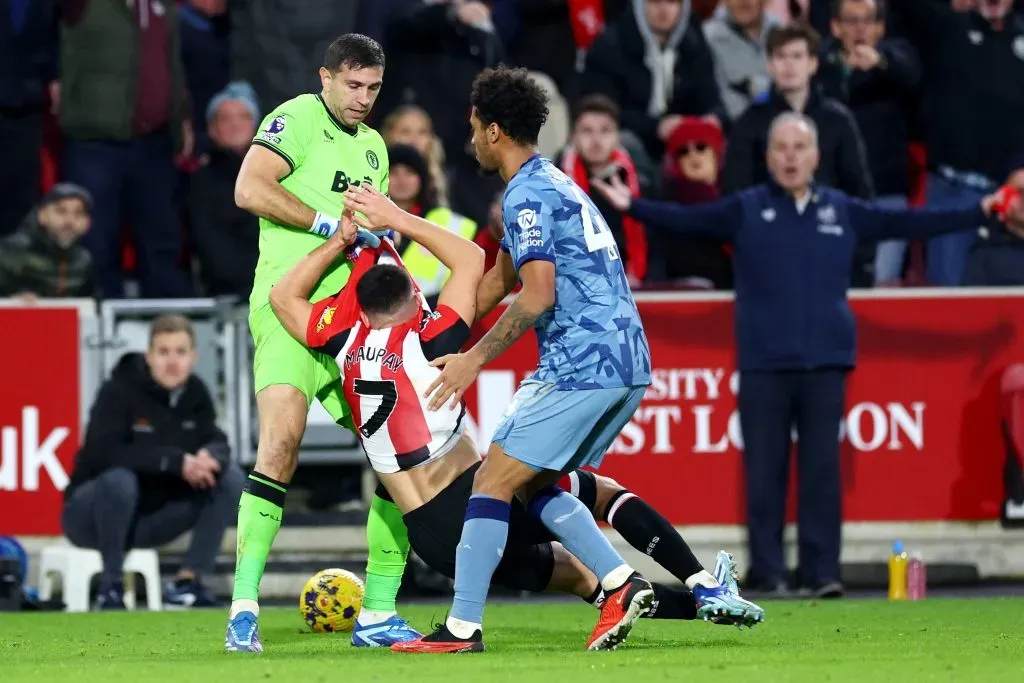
[(39, 416), (922, 440), (922, 436)]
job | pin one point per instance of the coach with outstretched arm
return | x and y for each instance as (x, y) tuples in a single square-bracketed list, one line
[(793, 245)]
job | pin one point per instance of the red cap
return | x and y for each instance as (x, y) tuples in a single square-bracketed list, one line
[(692, 129)]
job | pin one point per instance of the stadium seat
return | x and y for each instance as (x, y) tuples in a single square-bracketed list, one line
[(77, 566)]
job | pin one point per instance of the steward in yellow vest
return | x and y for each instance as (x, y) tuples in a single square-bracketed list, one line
[(410, 188)]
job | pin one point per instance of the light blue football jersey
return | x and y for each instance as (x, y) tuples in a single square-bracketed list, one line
[(592, 337)]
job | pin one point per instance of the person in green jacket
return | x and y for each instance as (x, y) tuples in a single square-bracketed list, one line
[(45, 258)]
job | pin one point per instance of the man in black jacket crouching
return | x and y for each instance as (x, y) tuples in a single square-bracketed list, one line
[(154, 465)]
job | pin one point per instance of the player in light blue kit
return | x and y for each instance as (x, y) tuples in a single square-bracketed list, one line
[(594, 368)]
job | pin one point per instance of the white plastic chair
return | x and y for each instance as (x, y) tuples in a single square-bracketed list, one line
[(77, 566)]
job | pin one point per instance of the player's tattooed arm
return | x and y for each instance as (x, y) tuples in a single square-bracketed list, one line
[(536, 297), (461, 369), (516, 320)]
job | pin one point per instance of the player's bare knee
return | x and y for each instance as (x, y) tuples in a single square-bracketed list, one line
[(607, 488)]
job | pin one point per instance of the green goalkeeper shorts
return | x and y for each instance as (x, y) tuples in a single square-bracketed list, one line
[(280, 359)]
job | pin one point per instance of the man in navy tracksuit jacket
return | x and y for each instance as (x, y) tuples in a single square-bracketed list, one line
[(793, 246)]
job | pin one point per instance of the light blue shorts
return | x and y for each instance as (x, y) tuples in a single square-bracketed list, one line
[(549, 429)]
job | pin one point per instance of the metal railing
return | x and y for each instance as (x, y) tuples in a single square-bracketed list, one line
[(225, 351)]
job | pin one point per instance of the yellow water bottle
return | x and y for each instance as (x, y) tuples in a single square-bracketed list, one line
[(898, 572)]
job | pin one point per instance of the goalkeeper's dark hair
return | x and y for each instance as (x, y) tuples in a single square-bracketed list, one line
[(512, 100), (355, 51), (383, 289)]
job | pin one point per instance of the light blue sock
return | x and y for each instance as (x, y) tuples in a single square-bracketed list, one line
[(574, 527), (480, 550)]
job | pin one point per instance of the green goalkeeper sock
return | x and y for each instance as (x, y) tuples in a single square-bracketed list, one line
[(259, 518), (388, 540)]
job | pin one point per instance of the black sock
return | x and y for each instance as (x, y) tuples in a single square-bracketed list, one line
[(650, 533), (672, 603), (596, 598)]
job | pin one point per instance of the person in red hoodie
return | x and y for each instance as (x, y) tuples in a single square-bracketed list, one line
[(594, 151), (690, 174)]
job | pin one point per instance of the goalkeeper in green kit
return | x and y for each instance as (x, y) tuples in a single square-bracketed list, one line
[(306, 153)]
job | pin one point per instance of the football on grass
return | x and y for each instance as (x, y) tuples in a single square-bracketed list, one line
[(330, 600)]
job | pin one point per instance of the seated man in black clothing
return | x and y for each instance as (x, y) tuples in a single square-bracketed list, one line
[(154, 465)]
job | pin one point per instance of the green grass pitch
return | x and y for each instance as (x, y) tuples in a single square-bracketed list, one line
[(858, 640)]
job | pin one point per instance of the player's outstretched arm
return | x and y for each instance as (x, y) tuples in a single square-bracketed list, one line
[(459, 292), (258, 190), (290, 296), (721, 218), (462, 257), (496, 284)]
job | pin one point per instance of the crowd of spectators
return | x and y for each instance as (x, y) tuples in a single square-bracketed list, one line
[(143, 109)]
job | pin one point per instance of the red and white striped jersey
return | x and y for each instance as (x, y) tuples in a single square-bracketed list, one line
[(385, 372)]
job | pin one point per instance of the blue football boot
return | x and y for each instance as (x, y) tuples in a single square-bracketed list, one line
[(243, 634), (723, 604), (386, 633)]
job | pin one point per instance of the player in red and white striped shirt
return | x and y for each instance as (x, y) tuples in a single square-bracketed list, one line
[(385, 364), (383, 336)]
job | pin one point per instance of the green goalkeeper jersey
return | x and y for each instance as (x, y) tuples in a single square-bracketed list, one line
[(325, 157)]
